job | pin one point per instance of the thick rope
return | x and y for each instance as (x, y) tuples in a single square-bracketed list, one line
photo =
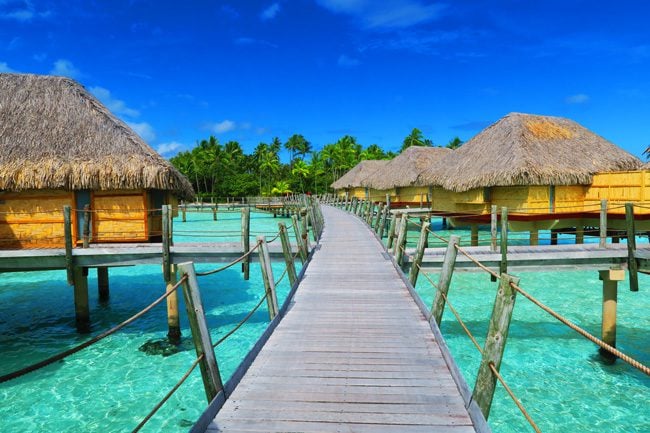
[(476, 262), (634, 363), (240, 324), (437, 236), (229, 265), (92, 341), (515, 399), (462, 324)]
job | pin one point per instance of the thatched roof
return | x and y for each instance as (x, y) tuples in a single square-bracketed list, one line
[(526, 149), (55, 135), (354, 177), (403, 170)]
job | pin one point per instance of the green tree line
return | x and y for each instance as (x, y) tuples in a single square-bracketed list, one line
[(225, 170)]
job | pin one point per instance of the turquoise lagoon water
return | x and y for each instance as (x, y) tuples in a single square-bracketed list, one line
[(111, 386)]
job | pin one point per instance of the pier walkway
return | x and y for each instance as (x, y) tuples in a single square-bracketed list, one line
[(354, 352)]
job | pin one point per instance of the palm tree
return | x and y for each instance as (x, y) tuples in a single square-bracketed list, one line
[(372, 152), (301, 170), (281, 188), (454, 143), (269, 161), (415, 138)]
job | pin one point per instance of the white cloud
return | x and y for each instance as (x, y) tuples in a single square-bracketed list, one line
[(270, 12), (221, 127), (348, 62), (144, 130), (4, 67), (117, 106), (579, 98), (65, 68), (166, 148), (21, 10), (387, 14)]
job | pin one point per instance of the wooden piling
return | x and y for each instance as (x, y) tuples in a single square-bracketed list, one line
[(200, 333), (299, 242), (580, 234), (86, 226), (388, 201), (103, 289), (603, 224), (419, 254), (493, 228), (610, 279), (400, 245), (380, 211), (382, 223), (305, 231), (245, 240), (166, 247), (503, 266), (215, 208), (67, 234), (444, 281), (631, 247), (553, 237), (173, 318), (495, 343), (267, 278), (288, 255), (391, 231), (183, 212), (474, 235), (81, 305), (534, 237)]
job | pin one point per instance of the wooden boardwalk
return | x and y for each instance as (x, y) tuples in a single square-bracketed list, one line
[(354, 352)]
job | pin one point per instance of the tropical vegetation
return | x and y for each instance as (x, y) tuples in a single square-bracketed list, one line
[(224, 170)]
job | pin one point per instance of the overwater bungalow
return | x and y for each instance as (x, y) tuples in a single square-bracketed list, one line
[(350, 184), (550, 171), (398, 177), (62, 147)]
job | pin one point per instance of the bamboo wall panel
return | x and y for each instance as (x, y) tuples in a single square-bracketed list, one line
[(119, 217)]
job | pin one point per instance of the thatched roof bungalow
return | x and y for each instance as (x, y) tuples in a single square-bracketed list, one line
[(61, 146), (351, 182)]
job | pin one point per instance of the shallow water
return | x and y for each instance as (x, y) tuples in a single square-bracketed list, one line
[(112, 385)]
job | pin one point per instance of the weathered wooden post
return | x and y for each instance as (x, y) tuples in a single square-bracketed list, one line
[(580, 234), (444, 281), (369, 212), (245, 240), (86, 227), (315, 226), (267, 277), (391, 231), (400, 245), (380, 210), (503, 266), (382, 223), (81, 305), (166, 263), (67, 235), (553, 237), (184, 212), (631, 247), (388, 201), (299, 242), (200, 332), (603, 224), (173, 318), (474, 235), (493, 228), (610, 279), (495, 343), (215, 208), (288, 256), (534, 237), (305, 231), (419, 254), (103, 284)]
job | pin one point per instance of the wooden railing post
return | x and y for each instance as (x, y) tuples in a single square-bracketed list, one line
[(369, 212), (299, 242), (400, 245), (305, 231), (315, 225), (200, 332), (495, 343), (503, 266), (165, 244), (493, 228), (267, 277), (86, 227), (288, 255), (444, 281), (246, 240), (380, 210), (631, 247), (382, 223), (391, 231), (419, 254), (603, 224), (67, 233)]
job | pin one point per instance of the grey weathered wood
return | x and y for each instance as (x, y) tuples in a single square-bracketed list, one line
[(81, 306), (267, 278), (246, 240), (369, 212), (444, 281), (603, 224), (495, 343), (314, 222), (503, 266), (380, 211), (200, 332), (215, 208), (382, 223), (288, 255), (610, 279), (305, 231), (391, 231), (166, 247), (173, 318), (493, 227), (388, 201), (419, 253), (67, 233), (400, 245), (86, 226), (299, 242), (631, 247)]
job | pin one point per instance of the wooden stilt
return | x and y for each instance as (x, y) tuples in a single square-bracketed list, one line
[(267, 278), (173, 321), (299, 242), (534, 237), (102, 284), (86, 226), (288, 256), (553, 237), (214, 211), (183, 213), (610, 279), (245, 240), (603, 224), (391, 231), (444, 281), (503, 266), (67, 233), (493, 228), (631, 247), (400, 245), (81, 306), (419, 253), (580, 234), (474, 235)]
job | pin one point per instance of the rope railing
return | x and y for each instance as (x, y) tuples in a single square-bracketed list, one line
[(62, 355), (476, 261), (514, 398), (231, 264)]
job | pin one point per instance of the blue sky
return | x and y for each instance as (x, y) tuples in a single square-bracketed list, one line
[(178, 72)]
